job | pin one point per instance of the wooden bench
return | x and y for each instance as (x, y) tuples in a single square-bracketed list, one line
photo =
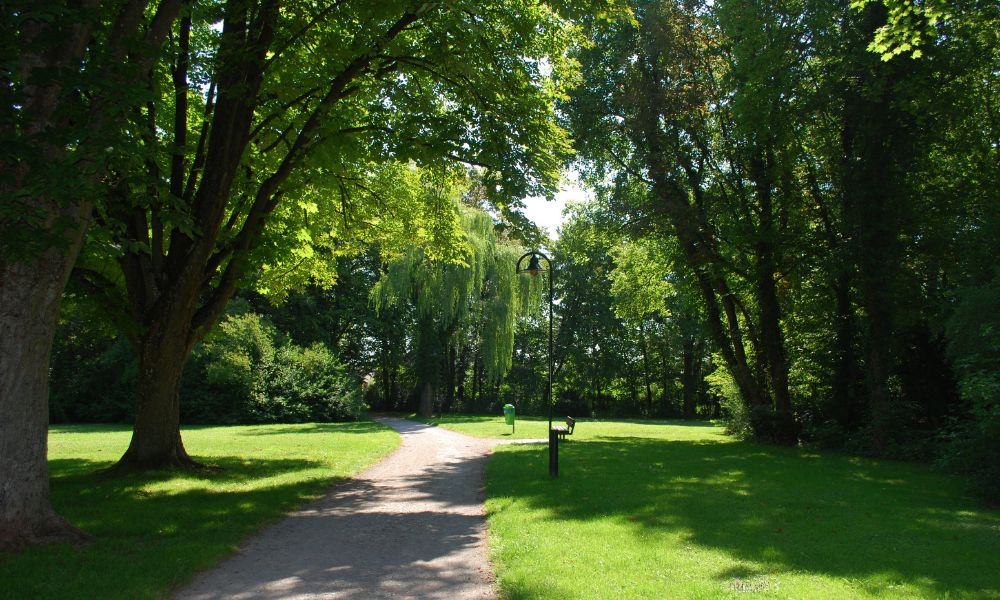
[(567, 430)]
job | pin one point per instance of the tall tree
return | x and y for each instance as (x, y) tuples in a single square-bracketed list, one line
[(68, 83), (254, 130), (477, 281), (650, 99)]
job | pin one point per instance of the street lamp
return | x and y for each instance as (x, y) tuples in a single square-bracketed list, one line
[(534, 268)]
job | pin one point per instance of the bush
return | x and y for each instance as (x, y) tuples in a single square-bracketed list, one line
[(309, 384), (225, 372), (973, 443), (250, 376), (245, 372), (92, 377), (734, 411)]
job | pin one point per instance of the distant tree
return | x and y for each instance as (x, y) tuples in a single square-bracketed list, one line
[(477, 282)]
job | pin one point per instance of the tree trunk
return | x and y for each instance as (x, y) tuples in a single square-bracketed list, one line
[(645, 370), (162, 350), (774, 345), (870, 138), (426, 407), (463, 375), (665, 404), (699, 250), (30, 293), (156, 438), (450, 372), (688, 379), (845, 370)]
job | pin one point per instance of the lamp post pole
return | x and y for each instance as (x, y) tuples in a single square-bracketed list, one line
[(534, 268)]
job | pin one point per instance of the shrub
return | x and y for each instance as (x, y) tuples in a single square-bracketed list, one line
[(227, 370), (309, 384), (244, 372), (247, 375), (734, 411), (92, 377), (973, 443)]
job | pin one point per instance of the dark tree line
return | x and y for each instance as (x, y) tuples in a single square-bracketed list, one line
[(825, 207)]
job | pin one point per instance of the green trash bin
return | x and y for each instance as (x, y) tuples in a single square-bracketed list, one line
[(508, 414)]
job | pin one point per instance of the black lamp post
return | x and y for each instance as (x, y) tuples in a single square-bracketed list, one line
[(534, 269)]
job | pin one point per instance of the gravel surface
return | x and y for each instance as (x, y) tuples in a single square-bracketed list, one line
[(411, 526)]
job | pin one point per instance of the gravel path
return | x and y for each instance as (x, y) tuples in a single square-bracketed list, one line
[(411, 526)]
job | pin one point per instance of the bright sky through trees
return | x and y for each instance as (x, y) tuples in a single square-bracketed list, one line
[(549, 214)]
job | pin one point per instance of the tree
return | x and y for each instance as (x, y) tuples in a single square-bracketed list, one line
[(68, 84), (447, 292), (255, 132), (656, 103)]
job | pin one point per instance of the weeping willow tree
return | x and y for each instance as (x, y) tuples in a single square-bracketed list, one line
[(463, 277)]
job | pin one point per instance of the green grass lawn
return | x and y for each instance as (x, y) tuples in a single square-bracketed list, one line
[(535, 427), (153, 532), (668, 510)]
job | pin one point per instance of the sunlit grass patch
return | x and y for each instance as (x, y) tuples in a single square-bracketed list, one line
[(490, 426), (670, 511), (153, 532)]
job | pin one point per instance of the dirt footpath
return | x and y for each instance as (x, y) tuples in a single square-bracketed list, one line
[(412, 526)]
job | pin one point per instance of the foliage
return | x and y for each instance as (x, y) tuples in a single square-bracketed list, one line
[(806, 213), (188, 521), (92, 376), (252, 376), (245, 372), (908, 27), (974, 442), (679, 510), (734, 411), (464, 301)]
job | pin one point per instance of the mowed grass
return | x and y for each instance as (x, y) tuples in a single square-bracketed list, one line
[(659, 510), (494, 426), (154, 532)]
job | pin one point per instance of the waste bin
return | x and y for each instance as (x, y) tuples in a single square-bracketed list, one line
[(508, 414)]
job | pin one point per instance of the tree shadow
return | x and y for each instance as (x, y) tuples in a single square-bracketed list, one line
[(350, 427), (785, 509), (671, 422), (153, 531), (89, 476)]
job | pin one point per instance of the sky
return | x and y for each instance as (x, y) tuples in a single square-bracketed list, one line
[(548, 214)]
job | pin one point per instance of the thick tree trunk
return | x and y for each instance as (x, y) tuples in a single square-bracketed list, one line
[(30, 293), (162, 350), (773, 342), (870, 138), (156, 438)]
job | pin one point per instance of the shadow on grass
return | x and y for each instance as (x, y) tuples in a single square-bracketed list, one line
[(362, 427), (251, 430), (783, 509), (154, 531), (463, 418), (226, 469)]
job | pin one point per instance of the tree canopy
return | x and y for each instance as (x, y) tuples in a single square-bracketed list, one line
[(793, 228)]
